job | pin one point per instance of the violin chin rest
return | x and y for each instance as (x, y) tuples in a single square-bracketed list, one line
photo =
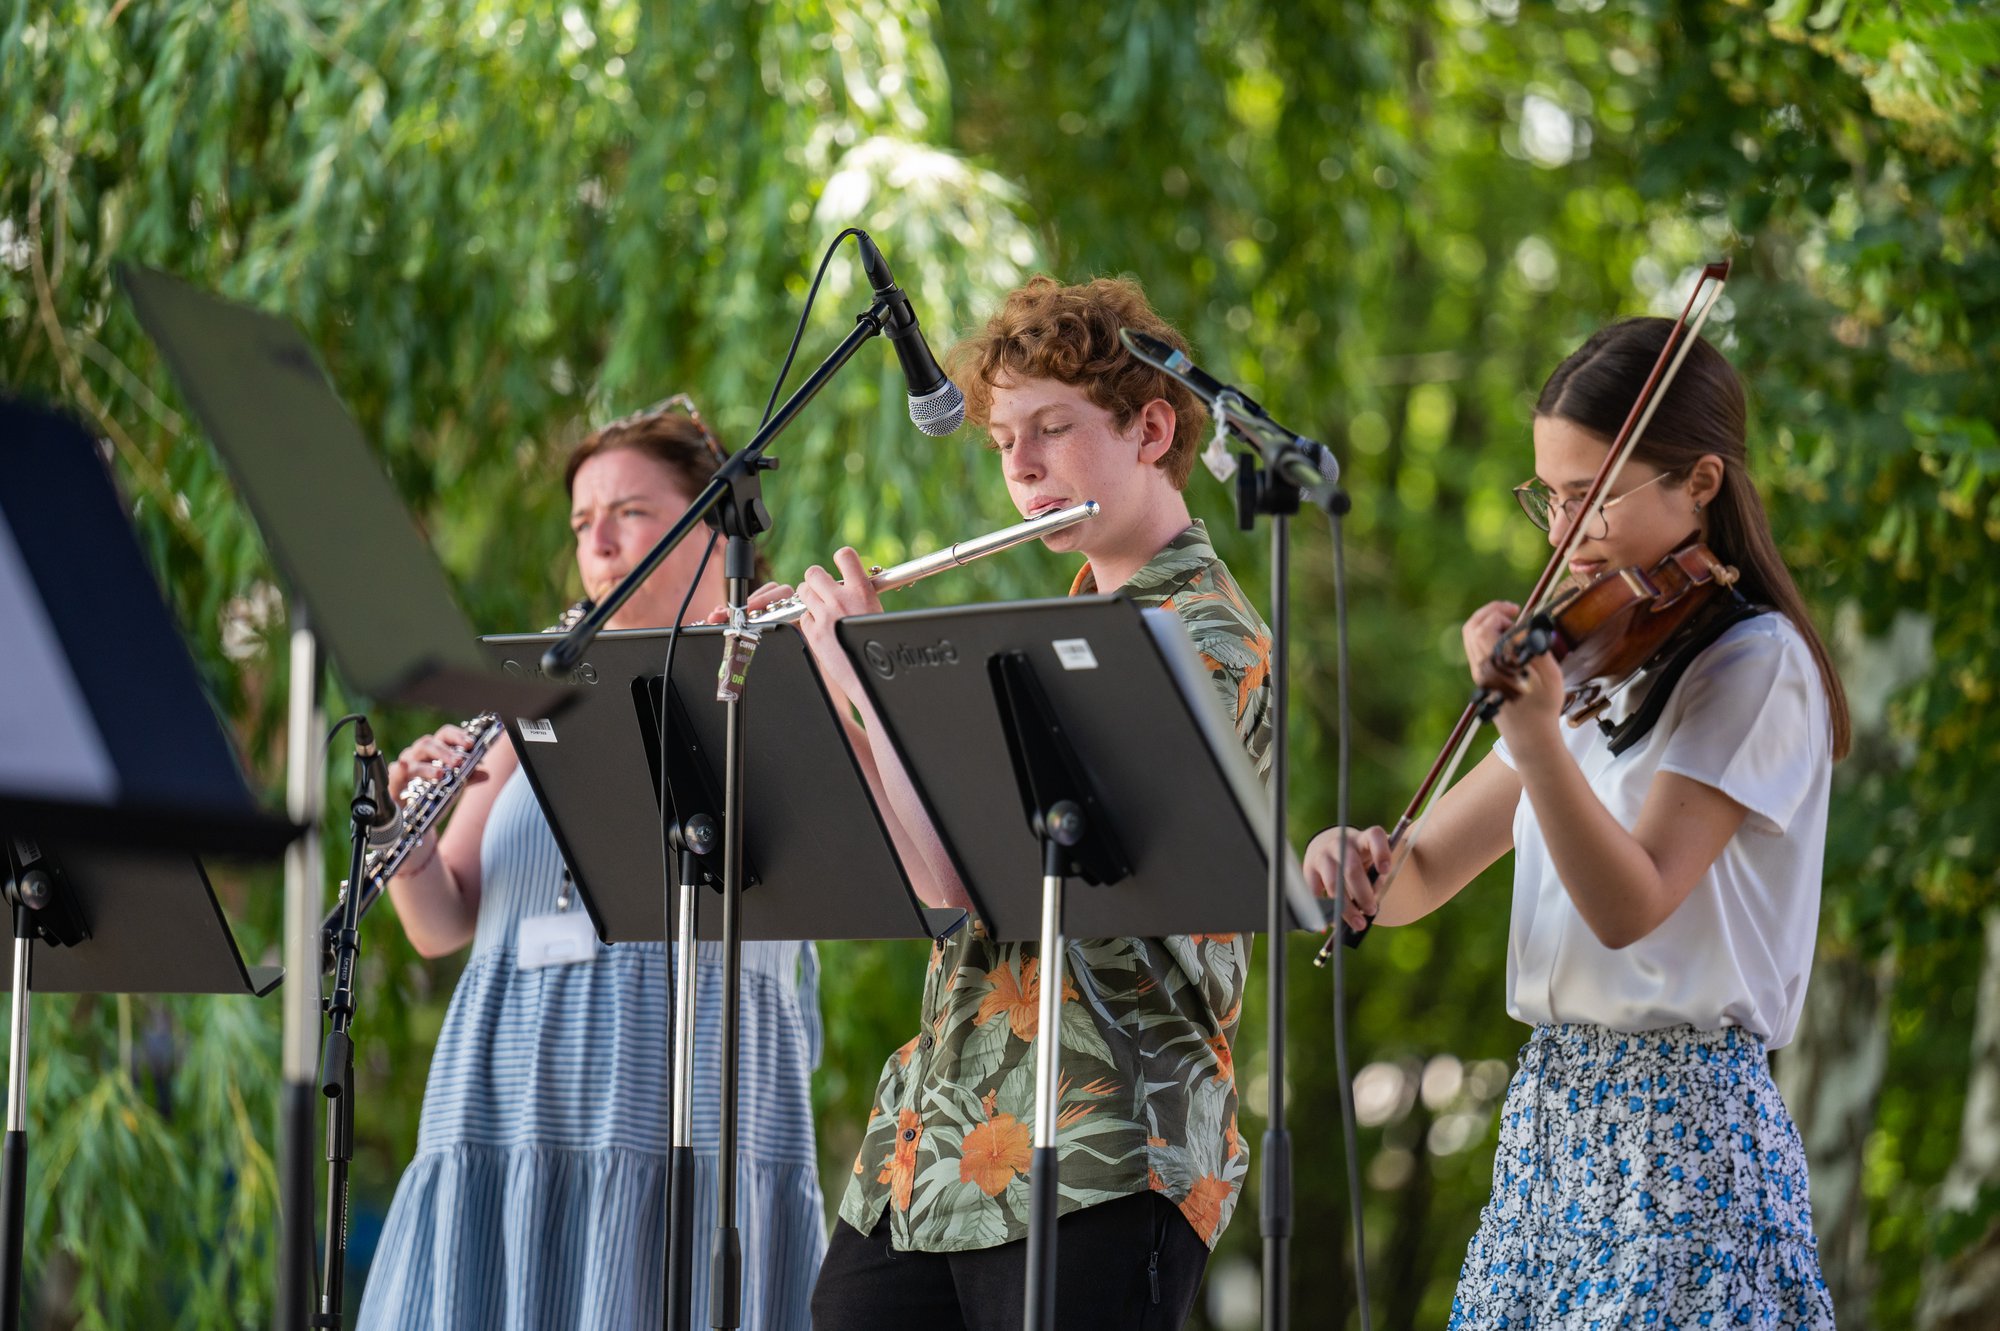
[(1585, 705)]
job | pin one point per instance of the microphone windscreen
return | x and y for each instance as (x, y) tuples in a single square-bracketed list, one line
[(938, 412)]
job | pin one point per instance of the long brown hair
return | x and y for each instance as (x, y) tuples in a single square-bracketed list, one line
[(1703, 412)]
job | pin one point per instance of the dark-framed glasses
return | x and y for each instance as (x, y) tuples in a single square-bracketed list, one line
[(1539, 502), (684, 404)]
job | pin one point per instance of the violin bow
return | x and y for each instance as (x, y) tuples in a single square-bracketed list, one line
[(1485, 702)]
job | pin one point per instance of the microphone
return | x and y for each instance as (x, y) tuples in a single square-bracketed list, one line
[(1303, 462), (371, 782), (936, 406)]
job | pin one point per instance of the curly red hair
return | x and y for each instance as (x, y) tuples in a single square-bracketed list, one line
[(1046, 330)]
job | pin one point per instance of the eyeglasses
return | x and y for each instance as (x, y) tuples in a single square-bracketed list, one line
[(680, 402), (1539, 502)]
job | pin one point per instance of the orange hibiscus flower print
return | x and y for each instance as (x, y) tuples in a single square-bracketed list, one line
[(1257, 675), (994, 1153), (899, 1170), (1018, 999), (1203, 1206), (1225, 1058)]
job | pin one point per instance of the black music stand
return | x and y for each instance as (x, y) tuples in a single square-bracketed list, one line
[(116, 771), (346, 547), (819, 864), (594, 770), (1098, 723)]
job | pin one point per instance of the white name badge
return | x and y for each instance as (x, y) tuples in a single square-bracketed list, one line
[(555, 940)]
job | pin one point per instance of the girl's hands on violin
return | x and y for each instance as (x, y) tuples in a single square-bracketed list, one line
[(1534, 696), (1367, 849)]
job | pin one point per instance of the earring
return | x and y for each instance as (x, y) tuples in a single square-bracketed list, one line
[(1697, 507)]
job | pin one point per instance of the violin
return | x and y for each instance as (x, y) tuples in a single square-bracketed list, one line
[(1602, 633), (1610, 629)]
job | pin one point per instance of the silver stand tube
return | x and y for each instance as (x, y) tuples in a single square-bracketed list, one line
[(1048, 1044), (679, 1225), (1061, 826), (17, 1042), (304, 793), (14, 1156)]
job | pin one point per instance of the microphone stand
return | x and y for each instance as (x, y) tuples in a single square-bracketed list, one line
[(733, 501), (1276, 472), (1268, 482), (337, 1060)]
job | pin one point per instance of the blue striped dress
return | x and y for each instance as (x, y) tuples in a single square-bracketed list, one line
[(534, 1202)]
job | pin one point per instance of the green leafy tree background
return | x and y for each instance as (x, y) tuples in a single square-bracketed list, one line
[(501, 222)]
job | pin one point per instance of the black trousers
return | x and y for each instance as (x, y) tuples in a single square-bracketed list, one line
[(1132, 1263)]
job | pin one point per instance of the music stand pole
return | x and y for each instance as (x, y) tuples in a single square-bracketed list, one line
[(1062, 826), (691, 843), (14, 1166), (304, 781)]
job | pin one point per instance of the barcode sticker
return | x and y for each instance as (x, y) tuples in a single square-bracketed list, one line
[(1075, 654), (536, 732)]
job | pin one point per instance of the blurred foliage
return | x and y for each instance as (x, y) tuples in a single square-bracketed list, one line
[(1387, 218)]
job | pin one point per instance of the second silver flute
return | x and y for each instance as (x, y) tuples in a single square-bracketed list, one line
[(915, 570)]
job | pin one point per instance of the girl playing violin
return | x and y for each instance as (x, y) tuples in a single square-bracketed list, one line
[(1665, 896)]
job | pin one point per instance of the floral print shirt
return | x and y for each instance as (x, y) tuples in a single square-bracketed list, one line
[(1148, 1082)]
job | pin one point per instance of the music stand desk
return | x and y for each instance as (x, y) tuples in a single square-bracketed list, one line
[(1140, 710), (820, 859)]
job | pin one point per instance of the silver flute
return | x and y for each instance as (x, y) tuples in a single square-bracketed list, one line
[(915, 570)]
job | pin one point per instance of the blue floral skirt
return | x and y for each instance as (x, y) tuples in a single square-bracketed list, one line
[(1646, 1179)]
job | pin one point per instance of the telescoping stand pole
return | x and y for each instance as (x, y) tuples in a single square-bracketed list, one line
[(14, 1156), (1076, 837), (1062, 826), (305, 779), (692, 842)]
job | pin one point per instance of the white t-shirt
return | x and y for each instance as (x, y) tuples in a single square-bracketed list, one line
[(1749, 718)]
